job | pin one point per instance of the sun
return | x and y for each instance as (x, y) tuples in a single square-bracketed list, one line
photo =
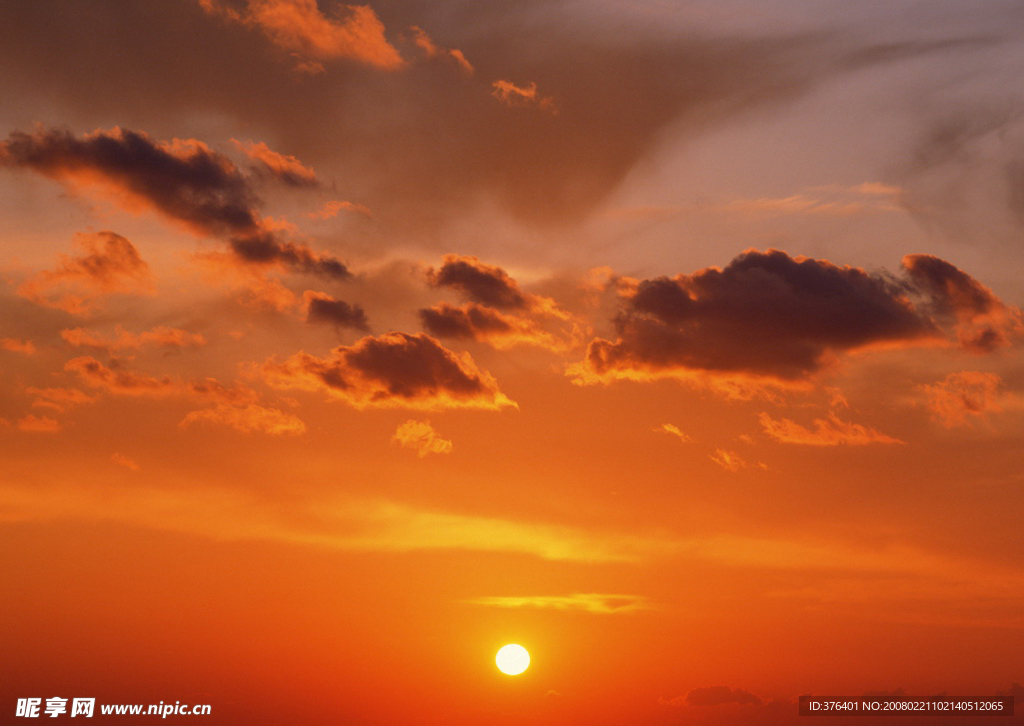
[(512, 659)]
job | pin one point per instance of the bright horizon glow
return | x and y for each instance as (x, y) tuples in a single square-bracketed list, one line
[(512, 659)]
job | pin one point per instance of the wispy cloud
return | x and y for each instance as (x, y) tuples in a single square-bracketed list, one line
[(591, 602)]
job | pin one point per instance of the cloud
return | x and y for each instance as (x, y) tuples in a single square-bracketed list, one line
[(674, 431), (963, 397), (731, 461), (14, 345), (829, 200), (344, 524), (160, 336), (331, 209), (287, 169), (265, 293), (237, 407), (115, 379), (247, 418), (770, 316), (499, 312), (473, 321), (378, 525), (591, 602), (719, 696), (108, 264), (479, 282), (266, 248), (522, 96), (793, 204), (322, 308), (38, 424), (122, 460), (58, 399), (982, 321), (422, 438), (430, 49), (829, 431), (622, 90), (184, 180), (394, 370), (299, 28)]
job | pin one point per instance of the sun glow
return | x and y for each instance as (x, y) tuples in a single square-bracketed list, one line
[(512, 659)]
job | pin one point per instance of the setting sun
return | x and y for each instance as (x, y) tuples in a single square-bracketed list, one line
[(512, 659)]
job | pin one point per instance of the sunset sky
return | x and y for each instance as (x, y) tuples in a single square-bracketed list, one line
[(679, 342)]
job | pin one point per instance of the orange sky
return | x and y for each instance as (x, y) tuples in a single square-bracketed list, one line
[(680, 343)]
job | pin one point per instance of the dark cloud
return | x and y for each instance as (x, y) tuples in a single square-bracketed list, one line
[(322, 308), (720, 695), (471, 322), (479, 282), (953, 292), (765, 314), (184, 180), (982, 322), (391, 370), (267, 248)]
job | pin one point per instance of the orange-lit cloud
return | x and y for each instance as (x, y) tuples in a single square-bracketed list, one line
[(394, 370), (237, 407), (431, 49), (247, 418), (865, 198), (963, 397), (422, 438), (108, 264), (591, 602), (287, 169), (116, 379), (674, 431), (265, 293), (322, 308), (58, 399), (732, 462), (122, 460), (522, 96), (794, 204), (184, 180), (300, 28), (38, 424), (26, 347), (831, 431), (330, 209), (341, 524), (769, 315), (160, 336)]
